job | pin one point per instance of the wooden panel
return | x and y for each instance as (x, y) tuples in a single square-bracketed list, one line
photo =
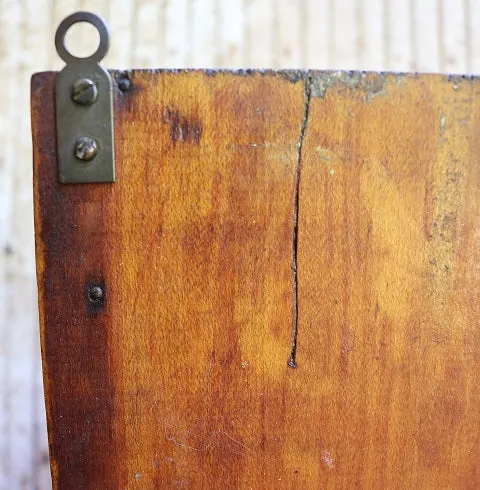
[(388, 254), (245, 201), (193, 245), (167, 34)]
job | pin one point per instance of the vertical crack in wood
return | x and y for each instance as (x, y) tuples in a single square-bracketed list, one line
[(292, 361)]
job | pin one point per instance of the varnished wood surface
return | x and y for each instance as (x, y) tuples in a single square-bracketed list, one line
[(426, 35), (180, 379)]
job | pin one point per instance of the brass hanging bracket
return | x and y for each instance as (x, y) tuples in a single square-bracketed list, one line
[(84, 110)]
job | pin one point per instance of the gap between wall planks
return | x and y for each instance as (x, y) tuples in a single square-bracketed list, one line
[(394, 35), (181, 377)]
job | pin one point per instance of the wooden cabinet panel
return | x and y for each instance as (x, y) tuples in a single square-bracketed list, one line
[(337, 212), (388, 273)]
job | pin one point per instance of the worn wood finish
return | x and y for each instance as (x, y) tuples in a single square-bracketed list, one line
[(336, 34), (389, 340), (242, 200)]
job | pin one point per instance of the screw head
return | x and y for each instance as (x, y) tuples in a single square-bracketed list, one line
[(86, 149), (84, 91), (95, 294)]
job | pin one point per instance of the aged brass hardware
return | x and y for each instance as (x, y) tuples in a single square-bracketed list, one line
[(84, 110)]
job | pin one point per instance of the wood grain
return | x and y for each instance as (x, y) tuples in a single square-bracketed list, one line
[(180, 378), (215, 159), (389, 337), (392, 35)]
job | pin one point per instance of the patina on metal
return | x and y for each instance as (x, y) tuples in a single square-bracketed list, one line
[(95, 294), (86, 149), (84, 91), (84, 110)]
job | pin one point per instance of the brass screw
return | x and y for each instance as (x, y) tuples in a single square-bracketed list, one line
[(84, 91), (86, 149)]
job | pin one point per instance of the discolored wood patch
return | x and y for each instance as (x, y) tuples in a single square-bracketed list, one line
[(182, 128), (262, 221)]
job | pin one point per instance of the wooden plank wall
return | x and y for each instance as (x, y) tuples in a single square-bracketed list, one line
[(410, 35)]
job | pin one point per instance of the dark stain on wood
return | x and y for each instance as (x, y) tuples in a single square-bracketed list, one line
[(181, 379), (182, 129), (78, 387)]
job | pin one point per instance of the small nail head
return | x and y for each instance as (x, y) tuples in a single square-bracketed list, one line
[(124, 84), (84, 91), (95, 294), (86, 149)]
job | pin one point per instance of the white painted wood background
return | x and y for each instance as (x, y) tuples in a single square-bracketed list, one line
[(400, 35)]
